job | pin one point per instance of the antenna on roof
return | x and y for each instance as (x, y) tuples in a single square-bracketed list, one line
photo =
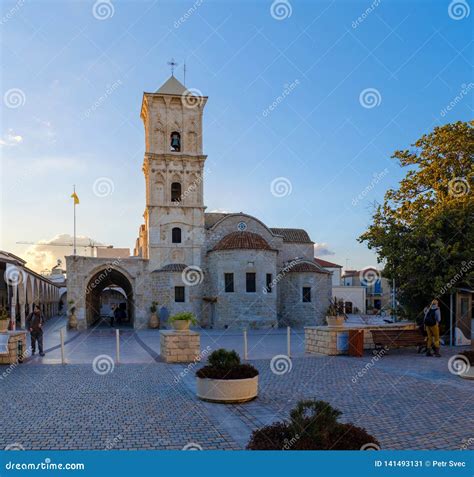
[(184, 68), (172, 63)]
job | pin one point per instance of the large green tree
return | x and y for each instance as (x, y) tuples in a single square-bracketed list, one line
[(423, 232)]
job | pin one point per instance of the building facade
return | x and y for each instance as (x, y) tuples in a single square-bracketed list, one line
[(21, 288), (230, 269)]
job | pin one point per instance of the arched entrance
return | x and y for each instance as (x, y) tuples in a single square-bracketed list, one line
[(104, 280)]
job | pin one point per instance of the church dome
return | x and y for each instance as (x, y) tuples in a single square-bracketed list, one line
[(242, 240)]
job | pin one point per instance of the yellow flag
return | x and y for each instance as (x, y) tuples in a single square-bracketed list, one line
[(75, 197)]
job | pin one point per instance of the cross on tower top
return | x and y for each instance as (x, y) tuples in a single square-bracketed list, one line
[(172, 64)]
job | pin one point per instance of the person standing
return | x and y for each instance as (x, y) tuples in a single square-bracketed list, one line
[(35, 326), (432, 321)]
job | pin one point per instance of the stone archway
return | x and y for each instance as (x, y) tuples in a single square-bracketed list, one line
[(105, 278)]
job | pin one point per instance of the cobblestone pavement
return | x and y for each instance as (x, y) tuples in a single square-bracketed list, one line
[(405, 400), (143, 346)]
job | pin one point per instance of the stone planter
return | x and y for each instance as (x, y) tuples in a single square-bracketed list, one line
[(72, 322), (181, 325), (154, 321), (4, 325), (227, 390), (335, 321)]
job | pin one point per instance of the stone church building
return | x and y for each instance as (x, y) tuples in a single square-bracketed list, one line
[(230, 269)]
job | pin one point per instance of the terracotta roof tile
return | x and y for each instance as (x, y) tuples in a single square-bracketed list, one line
[(242, 240), (293, 235), (326, 264), (304, 267)]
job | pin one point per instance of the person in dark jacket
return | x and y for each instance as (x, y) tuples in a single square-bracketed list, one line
[(35, 326), (432, 321)]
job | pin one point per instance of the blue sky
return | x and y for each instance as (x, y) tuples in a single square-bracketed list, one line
[(81, 78)]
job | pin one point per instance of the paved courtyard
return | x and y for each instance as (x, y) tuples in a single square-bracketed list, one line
[(405, 400)]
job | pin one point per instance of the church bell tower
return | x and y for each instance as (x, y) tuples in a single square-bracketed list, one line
[(174, 170)]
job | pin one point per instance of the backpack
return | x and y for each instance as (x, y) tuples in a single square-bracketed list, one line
[(430, 318)]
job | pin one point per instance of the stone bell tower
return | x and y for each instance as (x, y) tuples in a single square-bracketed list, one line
[(174, 172)]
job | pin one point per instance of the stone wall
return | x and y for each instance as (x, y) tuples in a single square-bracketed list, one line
[(292, 310), (241, 309)]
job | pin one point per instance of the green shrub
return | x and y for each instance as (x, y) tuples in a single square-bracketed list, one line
[(185, 316), (222, 358), (312, 426), (224, 364)]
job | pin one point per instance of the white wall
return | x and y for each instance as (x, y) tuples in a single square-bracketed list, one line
[(356, 295)]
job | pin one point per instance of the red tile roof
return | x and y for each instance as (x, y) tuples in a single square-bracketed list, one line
[(242, 240), (304, 267), (326, 264), (292, 235)]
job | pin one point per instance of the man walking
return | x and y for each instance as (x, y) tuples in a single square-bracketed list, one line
[(432, 321), (35, 325)]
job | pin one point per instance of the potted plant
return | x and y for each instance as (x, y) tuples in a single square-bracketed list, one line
[(154, 319), (335, 313), (72, 321), (313, 425), (226, 380), (4, 320), (181, 321)]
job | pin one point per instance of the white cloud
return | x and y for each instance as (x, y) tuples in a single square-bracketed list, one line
[(44, 255), (322, 249), (11, 139)]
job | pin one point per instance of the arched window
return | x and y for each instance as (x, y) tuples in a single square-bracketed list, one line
[(176, 235), (175, 142), (175, 192)]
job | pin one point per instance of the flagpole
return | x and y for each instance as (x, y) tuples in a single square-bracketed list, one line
[(74, 220)]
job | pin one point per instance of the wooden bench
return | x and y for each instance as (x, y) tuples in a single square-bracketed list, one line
[(388, 339)]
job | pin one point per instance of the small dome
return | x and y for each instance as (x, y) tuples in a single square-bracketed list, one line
[(172, 267), (242, 240)]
